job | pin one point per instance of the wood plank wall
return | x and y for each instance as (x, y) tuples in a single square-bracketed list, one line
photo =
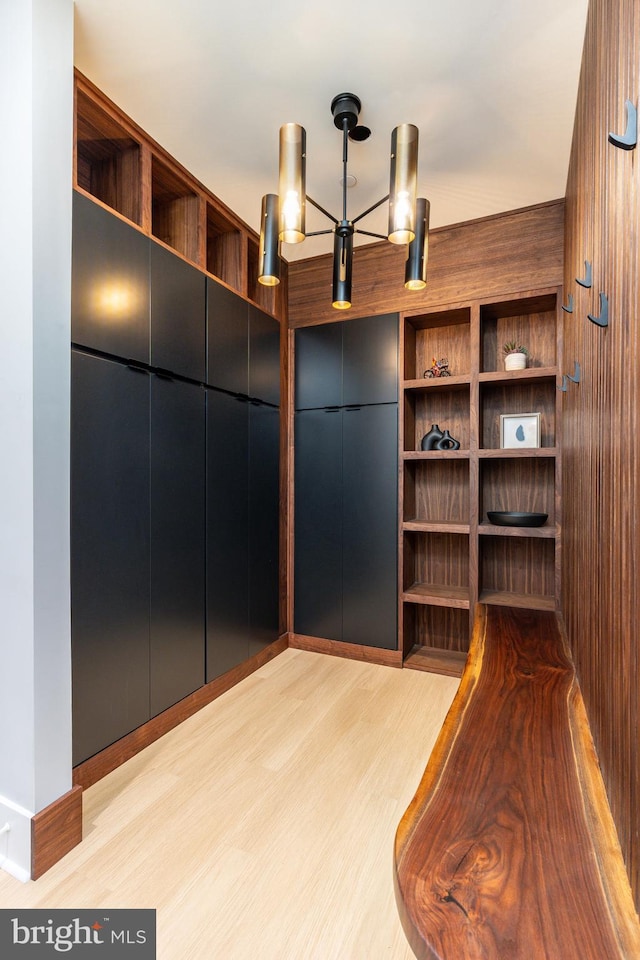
[(507, 253), (601, 415)]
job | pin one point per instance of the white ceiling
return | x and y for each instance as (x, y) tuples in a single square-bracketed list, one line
[(491, 85)]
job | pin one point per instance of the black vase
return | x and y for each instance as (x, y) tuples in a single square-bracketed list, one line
[(446, 442), (430, 439)]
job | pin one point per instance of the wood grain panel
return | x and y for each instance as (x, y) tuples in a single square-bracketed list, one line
[(601, 415), (511, 252), (522, 484), (534, 328), (437, 491), (526, 864), (517, 565), (518, 397), (437, 628), (448, 409), (436, 559), (55, 831), (175, 212)]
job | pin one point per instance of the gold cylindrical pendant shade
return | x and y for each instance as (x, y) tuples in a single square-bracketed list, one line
[(268, 255), (415, 271), (292, 182), (342, 267), (403, 183)]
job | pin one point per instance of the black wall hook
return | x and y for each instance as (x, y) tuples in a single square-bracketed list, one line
[(576, 373), (603, 319), (567, 376), (587, 276), (629, 138), (569, 308)]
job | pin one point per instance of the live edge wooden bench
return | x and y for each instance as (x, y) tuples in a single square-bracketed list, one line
[(508, 849)]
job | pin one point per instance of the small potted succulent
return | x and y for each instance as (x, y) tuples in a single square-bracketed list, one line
[(515, 355)]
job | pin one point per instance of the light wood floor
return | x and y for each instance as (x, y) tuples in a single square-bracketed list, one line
[(263, 826)]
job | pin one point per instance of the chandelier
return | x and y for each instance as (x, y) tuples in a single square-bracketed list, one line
[(283, 215)]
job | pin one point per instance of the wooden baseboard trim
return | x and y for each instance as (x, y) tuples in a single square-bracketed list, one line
[(350, 651), (98, 766), (55, 831)]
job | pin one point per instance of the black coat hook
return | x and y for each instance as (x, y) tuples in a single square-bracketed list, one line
[(567, 376), (629, 138), (603, 319), (576, 373), (569, 308), (587, 276)]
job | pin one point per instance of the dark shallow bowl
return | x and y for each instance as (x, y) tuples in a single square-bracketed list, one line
[(511, 518)]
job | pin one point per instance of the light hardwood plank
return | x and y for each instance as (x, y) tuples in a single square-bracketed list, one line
[(263, 825)]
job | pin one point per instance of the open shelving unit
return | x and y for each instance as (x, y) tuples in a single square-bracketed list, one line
[(451, 556), (121, 167)]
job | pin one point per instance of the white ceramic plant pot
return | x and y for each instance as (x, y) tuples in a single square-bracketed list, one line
[(515, 361)]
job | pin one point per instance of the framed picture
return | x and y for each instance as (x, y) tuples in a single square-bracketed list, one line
[(519, 430)]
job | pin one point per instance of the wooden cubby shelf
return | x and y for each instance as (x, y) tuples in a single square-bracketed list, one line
[(120, 166), (422, 526), (438, 595), (436, 455), (493, 530), (448, 663), (528, 601), (451, 555)]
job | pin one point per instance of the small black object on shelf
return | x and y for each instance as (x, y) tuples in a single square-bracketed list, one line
[(430, 439), (447, 442), (513, 518)]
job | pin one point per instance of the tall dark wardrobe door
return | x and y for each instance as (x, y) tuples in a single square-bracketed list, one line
[(109, 552), (318, 523), (318, 360), (264, 500), (370, 442), (227, 532), (370, 360), (227, 339), (264, 357), (178, 315), (110, 283), (177, 540)]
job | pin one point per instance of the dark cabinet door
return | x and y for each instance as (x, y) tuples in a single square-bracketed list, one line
[(227, 340), (110, 283), (318, 361), (370, 360), (264, 357), (177, 604), (264, 530), (178, 314), (227, 532), (318, 523), (370, 517), (109, 552)]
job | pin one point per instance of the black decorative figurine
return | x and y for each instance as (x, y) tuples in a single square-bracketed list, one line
[(430, 439), (447, 442)]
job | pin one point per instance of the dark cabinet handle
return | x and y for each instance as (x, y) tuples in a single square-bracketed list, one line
[(332, 409), (136, 367), (352, 409)]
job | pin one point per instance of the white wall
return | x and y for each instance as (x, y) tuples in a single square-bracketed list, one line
[(36, 84)]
